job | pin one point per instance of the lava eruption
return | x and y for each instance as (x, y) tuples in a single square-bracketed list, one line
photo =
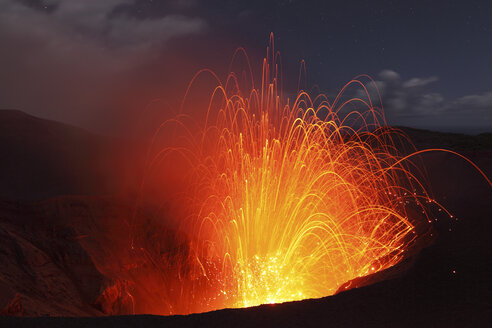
[(267, 200), (279, 200)]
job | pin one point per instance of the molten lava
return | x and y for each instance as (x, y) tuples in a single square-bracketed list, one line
[(265, 200), (282, 201)]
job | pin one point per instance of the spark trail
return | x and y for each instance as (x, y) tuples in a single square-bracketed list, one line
[(287, 201)]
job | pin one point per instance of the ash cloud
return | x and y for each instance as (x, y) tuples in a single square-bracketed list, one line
[(100, 23), (67, 59)]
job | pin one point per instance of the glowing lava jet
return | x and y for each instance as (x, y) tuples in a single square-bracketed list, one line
[(285, 200)]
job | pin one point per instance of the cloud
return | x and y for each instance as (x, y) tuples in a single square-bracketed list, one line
[(419, 82), (403, 98), (66, 59), (388, 75), (96, 23), (481, 101), (412, 102), (131, 32)]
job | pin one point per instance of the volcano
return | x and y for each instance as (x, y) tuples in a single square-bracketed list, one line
[(49, 236)]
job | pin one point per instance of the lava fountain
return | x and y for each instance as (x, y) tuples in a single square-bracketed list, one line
[(282, 200)]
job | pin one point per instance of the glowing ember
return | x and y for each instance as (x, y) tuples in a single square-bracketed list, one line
[(282, 201)]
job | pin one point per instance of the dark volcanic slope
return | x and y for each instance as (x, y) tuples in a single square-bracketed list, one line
[(449, 284), (44, 268), (43, 158)]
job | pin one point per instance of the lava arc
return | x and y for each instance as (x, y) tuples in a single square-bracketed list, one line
[(286, 199)]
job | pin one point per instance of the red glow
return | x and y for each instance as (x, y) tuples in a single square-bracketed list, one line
[(269, 200)]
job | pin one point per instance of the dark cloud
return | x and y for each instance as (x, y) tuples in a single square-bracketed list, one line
[(94, 21), (65, 59)]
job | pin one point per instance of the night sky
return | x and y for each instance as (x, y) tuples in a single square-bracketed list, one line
[(97, 64)]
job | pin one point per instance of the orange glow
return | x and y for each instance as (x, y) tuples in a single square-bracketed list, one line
[(284, 200)]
